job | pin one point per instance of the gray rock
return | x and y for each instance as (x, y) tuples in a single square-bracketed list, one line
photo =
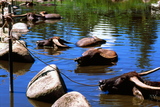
[(72, 99), (19, 52), (20, 28), (47, 85)]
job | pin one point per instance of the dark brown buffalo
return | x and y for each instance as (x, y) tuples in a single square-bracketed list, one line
[(132, 84), (90, 41), (50, 15), (97, 56), (30, 16), (54, 42), (27, 4)]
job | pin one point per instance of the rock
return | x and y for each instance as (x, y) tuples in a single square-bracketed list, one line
[(19, 52), (47, 85), (72, 99), (16, 32), (20, 28)]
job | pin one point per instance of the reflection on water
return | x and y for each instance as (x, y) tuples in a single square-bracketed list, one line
[(39, 103), (18, 68), (93, 69), (49, 51), (105, 31), (116, 100), (134, 35)]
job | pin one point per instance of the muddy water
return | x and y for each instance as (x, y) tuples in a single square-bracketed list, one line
[(134, 36)]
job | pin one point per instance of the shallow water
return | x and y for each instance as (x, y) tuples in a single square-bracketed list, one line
[(135, 38)]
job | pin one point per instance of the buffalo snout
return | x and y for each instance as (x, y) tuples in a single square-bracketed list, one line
[(101, 82), (102, 85), (108, 85)]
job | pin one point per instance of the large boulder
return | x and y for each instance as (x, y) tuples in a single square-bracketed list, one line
[(47, 85), (72, 99), (19, 52)]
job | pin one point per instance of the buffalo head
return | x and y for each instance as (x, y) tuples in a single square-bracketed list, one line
[(54, 41), (118, 85), (131, 84)]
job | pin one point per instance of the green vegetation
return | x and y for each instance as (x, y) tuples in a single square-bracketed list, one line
[(85, 14), (97, 6), (100, 6)]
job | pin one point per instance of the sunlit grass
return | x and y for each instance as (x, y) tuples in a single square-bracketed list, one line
[(100, 6), (108, 5)]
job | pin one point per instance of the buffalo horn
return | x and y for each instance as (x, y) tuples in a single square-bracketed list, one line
[(19, 15), (148, 72), (142, 85), (95, 37), (58, 43)]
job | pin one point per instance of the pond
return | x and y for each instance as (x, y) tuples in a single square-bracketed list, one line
[(129, 28)]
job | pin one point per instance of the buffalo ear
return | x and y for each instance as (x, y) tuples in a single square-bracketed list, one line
[(137, 93), (120, 80)]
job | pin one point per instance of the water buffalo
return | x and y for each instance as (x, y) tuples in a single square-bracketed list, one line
[(27, 4), (54, 41), (90, 41), (51, 15), (132, 84), (97, 56), (30, 16)]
